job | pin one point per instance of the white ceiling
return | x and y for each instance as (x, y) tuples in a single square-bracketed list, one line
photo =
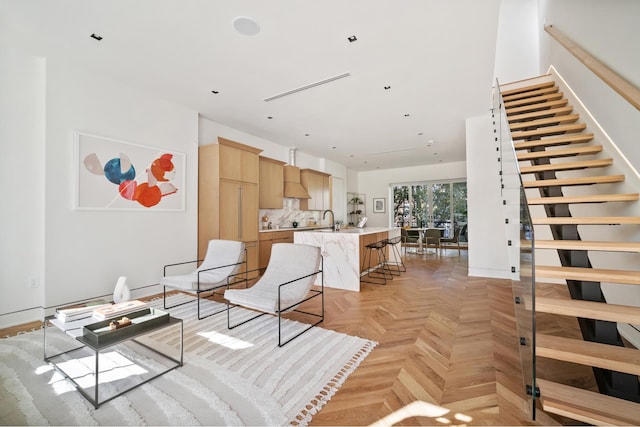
[(436, 55)]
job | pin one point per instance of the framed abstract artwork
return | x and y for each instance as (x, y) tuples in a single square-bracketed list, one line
[(379, 205), (119, 175)]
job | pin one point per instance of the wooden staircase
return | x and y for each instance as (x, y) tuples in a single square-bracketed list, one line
[(549, 138)]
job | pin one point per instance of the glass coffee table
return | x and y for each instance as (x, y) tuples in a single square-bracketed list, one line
[(110, 362)]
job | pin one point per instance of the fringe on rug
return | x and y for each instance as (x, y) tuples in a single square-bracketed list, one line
[(304, 416)]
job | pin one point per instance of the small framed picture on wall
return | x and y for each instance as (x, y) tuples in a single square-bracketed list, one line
[(379, 205)]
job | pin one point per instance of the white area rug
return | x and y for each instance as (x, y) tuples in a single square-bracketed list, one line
[(230, 377)]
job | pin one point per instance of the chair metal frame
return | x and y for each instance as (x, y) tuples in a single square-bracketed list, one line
[(399, 265), (280, 310), (199, 291)]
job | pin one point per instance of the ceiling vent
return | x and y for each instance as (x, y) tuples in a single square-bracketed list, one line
[(309, 86)]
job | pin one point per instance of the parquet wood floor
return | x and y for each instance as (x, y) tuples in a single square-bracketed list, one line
[(448, 351)]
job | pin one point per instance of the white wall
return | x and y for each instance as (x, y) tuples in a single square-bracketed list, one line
[(610, 32), (517, 42), (86, 251), (22, 127), (487, 236)]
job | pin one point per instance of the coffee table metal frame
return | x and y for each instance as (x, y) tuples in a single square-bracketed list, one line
[(98, 348)]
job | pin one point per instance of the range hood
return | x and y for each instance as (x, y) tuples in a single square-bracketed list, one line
[(292, 187)]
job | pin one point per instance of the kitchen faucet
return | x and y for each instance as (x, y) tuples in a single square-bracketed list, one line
[(333, 225)]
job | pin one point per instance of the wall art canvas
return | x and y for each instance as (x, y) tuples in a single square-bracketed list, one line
[(119, 175)]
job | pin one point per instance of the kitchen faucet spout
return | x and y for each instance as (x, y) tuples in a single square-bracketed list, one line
[(333, 225)]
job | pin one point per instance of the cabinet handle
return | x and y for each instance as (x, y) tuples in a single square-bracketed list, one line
[(240, 213)]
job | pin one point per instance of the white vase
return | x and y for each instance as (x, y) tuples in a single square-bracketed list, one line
[(121, 293)]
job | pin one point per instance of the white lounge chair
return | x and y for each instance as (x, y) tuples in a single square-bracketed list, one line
[(221, 262), (286, 283)]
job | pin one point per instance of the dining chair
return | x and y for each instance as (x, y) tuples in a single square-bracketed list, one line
[(432, 238), (409, 238), (446, 241)]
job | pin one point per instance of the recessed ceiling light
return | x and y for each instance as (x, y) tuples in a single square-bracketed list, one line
[(215, 92), (245, 25), (420, 134), (306, 134), (333, 147), (387, 87), (350, 155), (352, 38), (406, 115), (96, 37), (269, 117)]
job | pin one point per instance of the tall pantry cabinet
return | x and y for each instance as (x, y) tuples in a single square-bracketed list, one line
[(228, 196)]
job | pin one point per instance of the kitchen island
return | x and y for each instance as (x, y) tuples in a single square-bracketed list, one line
[(343, 252)]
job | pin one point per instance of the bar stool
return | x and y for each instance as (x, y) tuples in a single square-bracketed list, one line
[(377, 274), (397, 265)]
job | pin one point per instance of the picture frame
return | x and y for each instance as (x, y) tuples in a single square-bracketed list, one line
[(379, 205), (111, 174)]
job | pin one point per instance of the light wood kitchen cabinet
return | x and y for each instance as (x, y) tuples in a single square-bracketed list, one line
[(240, 200), (271, 183), (228, 196), (318, 184), (267, 239), (237, 163)]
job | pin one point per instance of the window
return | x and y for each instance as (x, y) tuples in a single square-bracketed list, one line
[(435, 204)]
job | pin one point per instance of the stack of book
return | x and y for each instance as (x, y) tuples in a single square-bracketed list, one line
[(118, 310), (79, 311)]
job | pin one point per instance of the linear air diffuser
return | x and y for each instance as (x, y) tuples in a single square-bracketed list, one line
[(309, 86)]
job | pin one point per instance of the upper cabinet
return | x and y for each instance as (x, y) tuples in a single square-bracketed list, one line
[(238, 162), (271, 183), (318, 184)]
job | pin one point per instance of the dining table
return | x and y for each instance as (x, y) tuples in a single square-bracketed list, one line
[(421, 232)]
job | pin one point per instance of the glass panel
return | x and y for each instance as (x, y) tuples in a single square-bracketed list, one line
[(441, 207), (401, 206), (420, 208), (460, 209), (520, 241)]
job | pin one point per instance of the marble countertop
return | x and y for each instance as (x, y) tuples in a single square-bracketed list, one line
[(354, 230), (309, 228)]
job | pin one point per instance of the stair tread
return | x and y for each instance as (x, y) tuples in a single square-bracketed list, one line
[(540, 113), (526, 88), (583, 180), (557, 140), (549, 130), (587, 406), (541, 106), (530, 93), (615, 358), (563, 166), (587, 309), (546, 121), (595, 220), (588, 245), (629, 277), (571, 151), (533, 100), (592, 198)]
